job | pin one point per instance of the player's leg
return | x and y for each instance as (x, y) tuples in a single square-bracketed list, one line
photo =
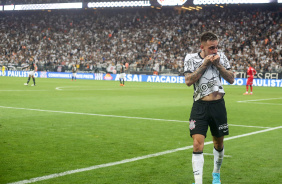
[(122, 76), (219, 128), (198, 128), (251, 86), (33, 78), (198, 157), (218, 152), (247, 87), (120, 81), (28, 80)]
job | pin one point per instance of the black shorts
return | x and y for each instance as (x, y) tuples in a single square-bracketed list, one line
[(209, 113)]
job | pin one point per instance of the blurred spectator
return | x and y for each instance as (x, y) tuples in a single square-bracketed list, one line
[(148, 39)]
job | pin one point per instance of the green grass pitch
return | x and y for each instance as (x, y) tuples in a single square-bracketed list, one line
[(97, 132)]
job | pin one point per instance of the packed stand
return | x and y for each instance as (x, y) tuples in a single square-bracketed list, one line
[(6, 2), (147, 39)]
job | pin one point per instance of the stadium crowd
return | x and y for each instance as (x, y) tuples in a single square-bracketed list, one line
[(146, 38), (7, 2)]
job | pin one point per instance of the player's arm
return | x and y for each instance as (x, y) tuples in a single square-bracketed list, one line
[(26, 67), (191, 78), (35, 67), (248, 74), (226, 74)]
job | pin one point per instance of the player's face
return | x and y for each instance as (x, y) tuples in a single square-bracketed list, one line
[(210, 47)]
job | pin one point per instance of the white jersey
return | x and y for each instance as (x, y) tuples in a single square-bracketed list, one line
[(74, 69), (122, 72), (210, 81)]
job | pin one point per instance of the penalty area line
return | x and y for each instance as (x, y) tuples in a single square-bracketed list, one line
[(51, 176)]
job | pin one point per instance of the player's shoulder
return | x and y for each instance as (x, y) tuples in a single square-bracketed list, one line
[(193, 56), (221, 54), (223, 57)]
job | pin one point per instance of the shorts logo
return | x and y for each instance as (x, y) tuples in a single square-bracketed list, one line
[(192, 124), (223, 127)]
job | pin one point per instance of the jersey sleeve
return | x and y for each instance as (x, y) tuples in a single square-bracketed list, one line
[(188, 64), (224, 61)]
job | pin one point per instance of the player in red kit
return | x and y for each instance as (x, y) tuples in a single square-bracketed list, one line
[(250, 74)]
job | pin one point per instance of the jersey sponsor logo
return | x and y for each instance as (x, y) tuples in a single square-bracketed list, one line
[(192, 124)]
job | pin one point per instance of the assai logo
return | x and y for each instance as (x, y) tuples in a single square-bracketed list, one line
[(108, 77)]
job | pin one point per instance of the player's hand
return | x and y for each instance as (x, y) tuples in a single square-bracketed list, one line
[(208, 60), (215, 60)]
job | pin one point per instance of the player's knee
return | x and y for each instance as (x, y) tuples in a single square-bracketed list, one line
[(198, 145), (218, 143)]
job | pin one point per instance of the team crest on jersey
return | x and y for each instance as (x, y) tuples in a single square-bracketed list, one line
[(192, 124)]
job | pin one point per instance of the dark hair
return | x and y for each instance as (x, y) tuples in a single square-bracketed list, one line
[(208, 36)]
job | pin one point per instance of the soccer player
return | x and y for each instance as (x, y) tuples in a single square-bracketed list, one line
[(122, 74), (3, 70), (250, 74), (32, 68), (74, 71), (204, 70)]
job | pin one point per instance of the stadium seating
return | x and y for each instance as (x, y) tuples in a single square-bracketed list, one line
[(148, 39)]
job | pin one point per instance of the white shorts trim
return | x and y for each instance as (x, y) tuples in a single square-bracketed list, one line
[(31, 73), (122, 75)]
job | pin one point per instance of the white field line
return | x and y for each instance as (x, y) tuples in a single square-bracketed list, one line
[(51, 176), (100, 89), (262, 103), (257, 101), (211, 154), (72, 88), (247, 126), (114, 116)]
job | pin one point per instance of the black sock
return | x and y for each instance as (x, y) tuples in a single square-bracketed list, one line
[(28, 80), (33, 81)]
